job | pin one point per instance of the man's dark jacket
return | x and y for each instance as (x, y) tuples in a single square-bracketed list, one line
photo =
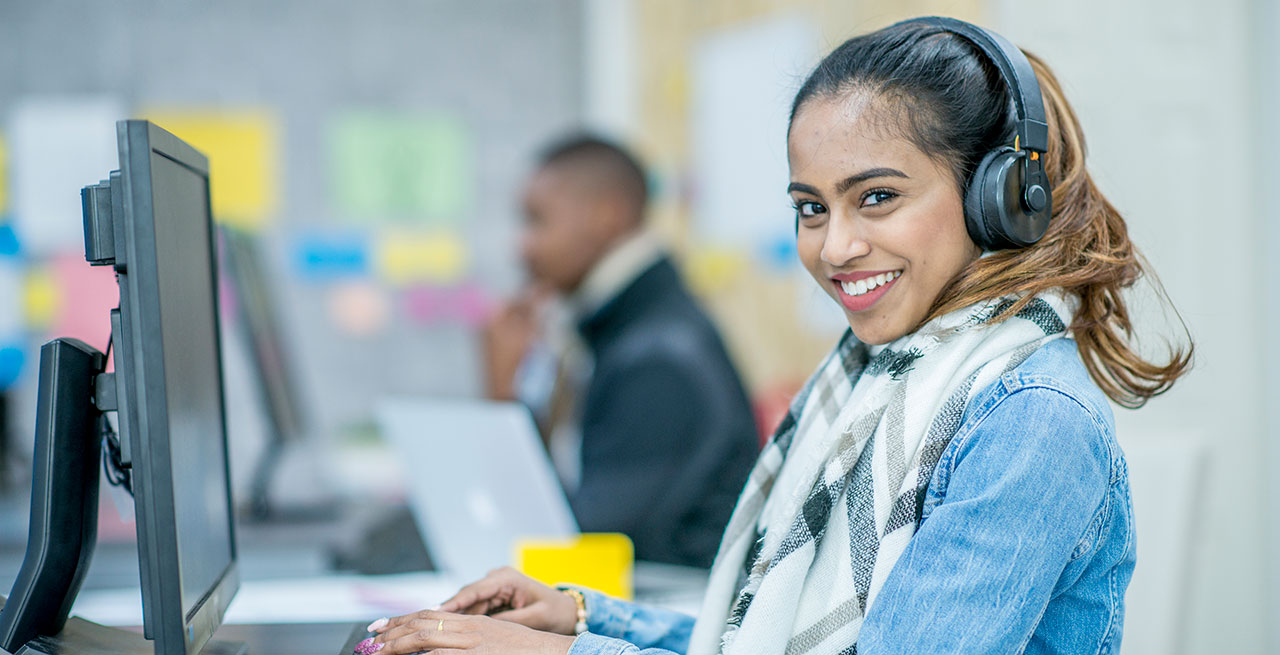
[(668, 436)]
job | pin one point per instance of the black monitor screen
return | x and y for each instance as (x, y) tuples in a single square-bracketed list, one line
[(193, 388)]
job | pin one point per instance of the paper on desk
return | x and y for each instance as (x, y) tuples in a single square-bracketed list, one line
[(242, 147), (58, 145), (325, 599), (601, 561)]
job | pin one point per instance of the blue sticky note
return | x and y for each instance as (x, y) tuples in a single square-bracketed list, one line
[(11, 359), (781, 253), (329, 257), (8, 240)]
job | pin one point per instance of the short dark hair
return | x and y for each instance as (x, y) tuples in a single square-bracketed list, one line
[(592, 149)]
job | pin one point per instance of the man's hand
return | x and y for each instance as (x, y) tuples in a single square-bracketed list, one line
[(507, 338)]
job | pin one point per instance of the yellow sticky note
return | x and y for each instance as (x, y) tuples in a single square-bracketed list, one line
[(436, 258), (601, 561), (243, 160), (40, 299), (713, 270), (4, 179)]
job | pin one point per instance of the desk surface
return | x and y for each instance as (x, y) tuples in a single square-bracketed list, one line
[(354, 598)]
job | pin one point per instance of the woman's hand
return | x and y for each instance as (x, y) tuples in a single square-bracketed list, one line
[(444, 632), (510, 595)]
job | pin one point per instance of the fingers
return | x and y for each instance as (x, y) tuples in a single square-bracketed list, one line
[(384, 624), (426, 631), (527, 616), (474, 598)]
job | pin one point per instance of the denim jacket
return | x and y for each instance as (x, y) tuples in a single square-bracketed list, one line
[(1026, 544)]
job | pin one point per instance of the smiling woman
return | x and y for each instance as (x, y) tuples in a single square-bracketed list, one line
[(941, 199), (873, 208)]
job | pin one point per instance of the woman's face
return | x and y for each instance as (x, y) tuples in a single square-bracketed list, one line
[(881, 223)]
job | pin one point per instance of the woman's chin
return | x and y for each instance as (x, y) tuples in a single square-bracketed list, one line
[(874, 332)]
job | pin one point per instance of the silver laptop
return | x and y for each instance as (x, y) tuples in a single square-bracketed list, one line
[(478, 478)]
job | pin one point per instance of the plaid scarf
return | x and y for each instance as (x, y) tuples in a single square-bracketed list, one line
[(838, 491)]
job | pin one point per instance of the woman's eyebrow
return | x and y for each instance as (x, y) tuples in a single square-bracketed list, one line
[(802, 188), (848, 182)]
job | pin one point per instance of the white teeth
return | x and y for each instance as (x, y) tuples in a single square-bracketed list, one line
[(868, 283)]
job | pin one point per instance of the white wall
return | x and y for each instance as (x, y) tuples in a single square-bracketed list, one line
[(1164, 89), (1266, 53), (609, 78)]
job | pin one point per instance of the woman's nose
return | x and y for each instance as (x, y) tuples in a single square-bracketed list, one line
[(844, 241)]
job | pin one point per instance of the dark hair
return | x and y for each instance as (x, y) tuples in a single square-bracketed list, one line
[(958, 106), (949, 101), (604, 155)]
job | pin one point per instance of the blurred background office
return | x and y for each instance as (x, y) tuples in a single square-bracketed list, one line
[(374, 153)]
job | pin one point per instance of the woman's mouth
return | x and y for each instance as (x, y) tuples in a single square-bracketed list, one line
[(858, 291)]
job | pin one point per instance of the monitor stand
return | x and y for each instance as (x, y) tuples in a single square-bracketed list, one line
[(64, 519), (64, 494)]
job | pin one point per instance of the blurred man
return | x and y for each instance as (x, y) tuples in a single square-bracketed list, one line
[(664, 436)]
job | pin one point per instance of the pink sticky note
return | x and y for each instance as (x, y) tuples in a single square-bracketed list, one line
[(88, 293), (471, 305), (466, 304), (425, 305)]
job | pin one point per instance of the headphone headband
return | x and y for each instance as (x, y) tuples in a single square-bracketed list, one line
[(1030, 124)]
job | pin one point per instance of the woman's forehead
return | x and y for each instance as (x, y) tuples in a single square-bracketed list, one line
[(835, 134)]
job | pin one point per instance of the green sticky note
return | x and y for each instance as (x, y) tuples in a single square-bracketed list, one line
[(401, 167)]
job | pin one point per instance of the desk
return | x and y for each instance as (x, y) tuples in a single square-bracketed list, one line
[(353, 598), (316, 615)]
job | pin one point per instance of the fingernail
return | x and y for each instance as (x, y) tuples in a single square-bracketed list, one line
[(435, 608), (377, 625), (362, 648), (376, 648)]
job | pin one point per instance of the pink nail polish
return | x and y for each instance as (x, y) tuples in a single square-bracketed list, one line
[(376, 648), (377, 625), (365, 647)]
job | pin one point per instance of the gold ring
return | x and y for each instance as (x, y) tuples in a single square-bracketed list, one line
[(440, 626)]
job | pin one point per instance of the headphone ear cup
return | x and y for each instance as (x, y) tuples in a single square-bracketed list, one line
[(981, 214)]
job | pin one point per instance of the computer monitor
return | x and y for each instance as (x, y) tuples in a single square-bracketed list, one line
[(169, 376), (151, 221), (258, 323)]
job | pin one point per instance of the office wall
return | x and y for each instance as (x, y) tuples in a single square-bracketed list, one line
[(504, 75), (1265, 51), (1165, 91)]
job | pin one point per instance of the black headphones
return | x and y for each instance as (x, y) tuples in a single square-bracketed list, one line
[(1008, 201)]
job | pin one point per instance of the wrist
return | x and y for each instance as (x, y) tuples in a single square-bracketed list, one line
[(561, 644), (579, 623)]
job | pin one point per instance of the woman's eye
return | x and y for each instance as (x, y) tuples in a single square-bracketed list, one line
[(877, 197), (807, 209)]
